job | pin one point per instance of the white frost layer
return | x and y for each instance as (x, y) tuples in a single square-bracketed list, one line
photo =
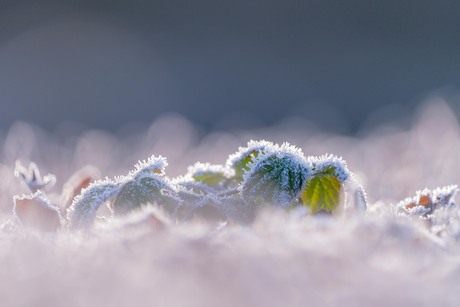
[(282, 260)]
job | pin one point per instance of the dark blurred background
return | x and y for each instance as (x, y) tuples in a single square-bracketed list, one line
[(224, 64)]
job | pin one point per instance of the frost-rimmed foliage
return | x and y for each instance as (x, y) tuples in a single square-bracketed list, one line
[(276, 176), (82, 212), (145, 185), (240, 160), (426, 202), (260, 174), (209, 174), (324, 190)]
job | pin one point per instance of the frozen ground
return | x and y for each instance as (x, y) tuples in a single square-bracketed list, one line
[(379, 258)]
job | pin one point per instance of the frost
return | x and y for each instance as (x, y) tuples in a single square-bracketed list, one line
[(145, 185), (330, 185), (327, 162), (209, 174), (425, 202), (144, 189), (153, 165), (239, 161), (276, 176), (82, 212), (32, 178)]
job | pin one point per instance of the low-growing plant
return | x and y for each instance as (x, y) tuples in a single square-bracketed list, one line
[(259, 175)]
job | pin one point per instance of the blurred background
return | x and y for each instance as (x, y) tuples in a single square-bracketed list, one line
[(342, 65)]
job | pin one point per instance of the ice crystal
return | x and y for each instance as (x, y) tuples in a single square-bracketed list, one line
[(153, 165)]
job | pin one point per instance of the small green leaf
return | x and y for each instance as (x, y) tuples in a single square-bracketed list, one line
[(322, 192), (209, 178)]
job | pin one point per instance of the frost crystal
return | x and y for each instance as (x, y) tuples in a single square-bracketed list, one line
[(153, 165), (276, 176)]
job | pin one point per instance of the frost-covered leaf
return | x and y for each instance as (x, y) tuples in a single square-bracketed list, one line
[(276, 176), (144, 190), (322, 192), (32, 177), (145, 185), (82, 212), (240, 160), (208, 174), (36, 212)]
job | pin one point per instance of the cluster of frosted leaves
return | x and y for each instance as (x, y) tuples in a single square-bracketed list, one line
[(208, 191), (435, 211), (260, 174), (276, 176), (427, 203)]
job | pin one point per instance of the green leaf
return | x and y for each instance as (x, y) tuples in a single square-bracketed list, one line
[(322, 192), (209, 178)]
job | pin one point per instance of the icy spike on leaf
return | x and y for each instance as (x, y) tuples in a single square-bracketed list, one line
[(323, 191), (82, 212), (240, 160), (36, 212), (32, 177), (145, 185), (153, 165), (276, 176)]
